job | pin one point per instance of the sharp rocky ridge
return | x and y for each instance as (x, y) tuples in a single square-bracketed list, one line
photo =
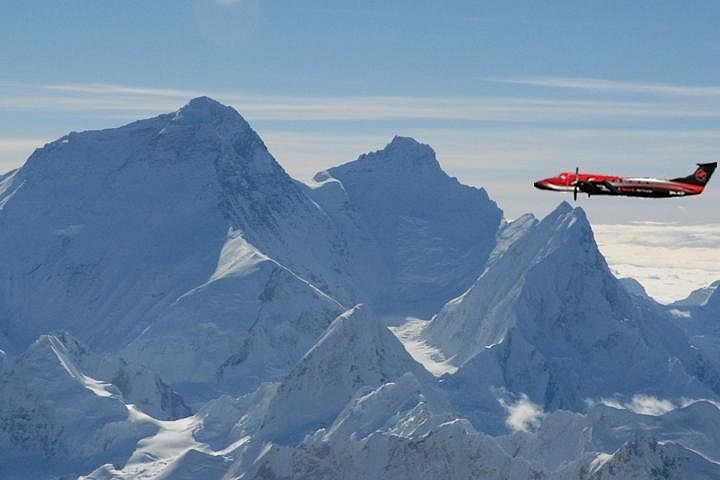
[(433, 235), (548, 319), (225, 320), (110, 227)]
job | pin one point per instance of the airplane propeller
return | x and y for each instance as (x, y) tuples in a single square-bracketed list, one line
[(577, 180)]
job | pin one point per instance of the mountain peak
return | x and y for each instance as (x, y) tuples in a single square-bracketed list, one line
[(566, 223), (565, 210), (206, 101), (356, 353), (402, 153), (561, 245), (563, 207), (407, 149), (402, 193), (407, 143), (203, 109)]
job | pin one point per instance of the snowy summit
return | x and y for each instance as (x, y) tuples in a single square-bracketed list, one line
[(174, 305)]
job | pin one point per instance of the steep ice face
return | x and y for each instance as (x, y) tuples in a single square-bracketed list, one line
[(144, 388), (634, 287), (110, 226), (400, 407), (55, 419), (134, 383), (647, 458), (370, 270), (356, 353), (548, 319), (453, 450), (482, 316), (433, 234), (101, 231), (509, 233), (699, 317), (250, 323)]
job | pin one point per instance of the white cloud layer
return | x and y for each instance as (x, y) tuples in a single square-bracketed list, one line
[(669, 260)]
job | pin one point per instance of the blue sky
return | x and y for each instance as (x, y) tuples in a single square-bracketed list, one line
[(506, 92)]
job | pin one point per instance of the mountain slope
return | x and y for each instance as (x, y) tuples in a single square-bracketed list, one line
[(356, 354), (178, 245), (605, 443), (548, 319), (647, 458), (101, 231), (433, 233), (699, 297), (699, 318), (249, 323), (54, 419)]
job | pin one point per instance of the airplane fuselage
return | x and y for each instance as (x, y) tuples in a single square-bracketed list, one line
[(600, 184)]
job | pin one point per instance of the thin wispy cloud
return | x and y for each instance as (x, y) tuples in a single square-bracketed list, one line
[(498, 142), (603, 85), (523, 149), (108, 88), (120, 99)]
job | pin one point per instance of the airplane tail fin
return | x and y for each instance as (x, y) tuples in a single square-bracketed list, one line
[(701, 176)]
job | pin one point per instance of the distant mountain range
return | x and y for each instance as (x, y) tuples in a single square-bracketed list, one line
[(173, 305)]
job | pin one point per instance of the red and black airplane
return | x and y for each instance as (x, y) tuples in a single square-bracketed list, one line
[(594, 184)]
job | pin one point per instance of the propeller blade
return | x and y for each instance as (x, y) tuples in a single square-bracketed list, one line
[(577, 180)]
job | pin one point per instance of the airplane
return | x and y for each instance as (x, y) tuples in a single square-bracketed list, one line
[(594, 184)]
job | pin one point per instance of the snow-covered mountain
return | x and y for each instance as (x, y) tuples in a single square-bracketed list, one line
[(101, 231), (55, 419), (566, 446), (699, 318), (209, 295), (634, 287), (699, 297), (249, 323), (548, 319), (433, 234), (356, 354), (180, 242), (346, 410)]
